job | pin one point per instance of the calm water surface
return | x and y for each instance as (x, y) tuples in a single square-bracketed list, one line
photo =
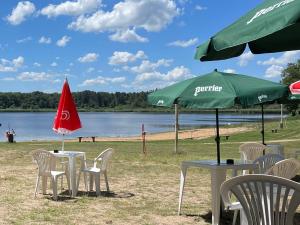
[(38, 126)]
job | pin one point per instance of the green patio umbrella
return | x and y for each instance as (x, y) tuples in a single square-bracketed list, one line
[(218, 90), (273, 26)]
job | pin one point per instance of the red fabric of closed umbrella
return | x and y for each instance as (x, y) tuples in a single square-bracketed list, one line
[(295, 88), (66, 120)]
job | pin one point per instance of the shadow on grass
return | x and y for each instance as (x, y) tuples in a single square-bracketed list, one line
[(226, 218), (65, 196), (111, 194)]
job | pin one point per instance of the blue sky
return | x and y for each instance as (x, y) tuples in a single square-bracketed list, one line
[(128, 45)]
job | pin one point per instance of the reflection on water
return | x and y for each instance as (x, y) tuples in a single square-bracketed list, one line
[(38, 126)]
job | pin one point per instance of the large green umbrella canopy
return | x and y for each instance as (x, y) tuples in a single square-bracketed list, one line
[(218, 90), (272, 26)]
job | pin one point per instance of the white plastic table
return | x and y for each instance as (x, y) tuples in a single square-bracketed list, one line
[(218, 176), (71, 155)]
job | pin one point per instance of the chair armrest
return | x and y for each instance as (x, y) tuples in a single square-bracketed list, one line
[(96, 160)]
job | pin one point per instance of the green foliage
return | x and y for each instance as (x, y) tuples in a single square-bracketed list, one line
[(290, 75), (85, 100)]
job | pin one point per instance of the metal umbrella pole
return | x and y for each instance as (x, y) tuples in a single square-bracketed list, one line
[(262, 125), (217, 139)]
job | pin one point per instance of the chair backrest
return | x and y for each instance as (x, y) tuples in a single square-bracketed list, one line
[(287, 168), (43, 159), (104, 158), (251, 151), (266, 200), (265, 162)]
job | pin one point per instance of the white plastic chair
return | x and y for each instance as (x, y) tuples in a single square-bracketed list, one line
[(287, 168), (265, 199), (95, 172), (251, 151), (45, 161), (265, 162)]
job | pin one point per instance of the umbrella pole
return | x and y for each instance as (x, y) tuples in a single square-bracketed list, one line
[(63, 143), (218, 136), (262, 125)]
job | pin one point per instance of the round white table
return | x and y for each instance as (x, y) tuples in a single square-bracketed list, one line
[(218, 176)]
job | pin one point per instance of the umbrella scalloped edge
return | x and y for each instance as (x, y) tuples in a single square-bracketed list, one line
[(62, 131)]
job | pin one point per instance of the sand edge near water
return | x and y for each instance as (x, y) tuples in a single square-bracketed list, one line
[(184, 134)]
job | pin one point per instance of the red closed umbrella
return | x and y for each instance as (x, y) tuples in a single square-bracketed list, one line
[(295, 88), (66, 120)]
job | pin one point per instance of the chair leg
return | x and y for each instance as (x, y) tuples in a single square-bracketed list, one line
[(85, 182), (44, 184), (97, 184), (78, 179), (106, 181), (54, 186), (68, 181), (235, 216), (91, 181), (37, 185)]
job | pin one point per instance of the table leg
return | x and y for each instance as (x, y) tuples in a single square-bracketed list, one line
[(44, 184), (218, 176), (182, 182), (72, 171)]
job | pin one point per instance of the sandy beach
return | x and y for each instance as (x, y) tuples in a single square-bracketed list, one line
[(184, 134)]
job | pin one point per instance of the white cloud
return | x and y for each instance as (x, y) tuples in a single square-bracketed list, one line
[(45, 40), (63, 41), (21, 12), (276, 65), (24, 40), (36, 64), (245, 58), (230, 70), (128, 16), (119, 58), (147, 66), (184, 44), (8, 79), (127, 36), (273, 71), (71, 8), (103, 80), (89, 57), (177, 74), (285, 58), (18, 62), (200, 8), (34, 76), (11, 66), (54, 64)]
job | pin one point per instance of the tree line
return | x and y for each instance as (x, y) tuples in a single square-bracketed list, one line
[(85, 100)]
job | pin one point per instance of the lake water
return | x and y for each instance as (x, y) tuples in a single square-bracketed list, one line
[(38, 126)]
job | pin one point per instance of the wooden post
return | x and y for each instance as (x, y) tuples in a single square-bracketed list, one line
[(144, 139), (176, 128)]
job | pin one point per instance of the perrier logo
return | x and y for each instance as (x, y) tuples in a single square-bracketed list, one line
[(212, 88)]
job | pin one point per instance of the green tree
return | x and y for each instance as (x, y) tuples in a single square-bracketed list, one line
[(290, 75)]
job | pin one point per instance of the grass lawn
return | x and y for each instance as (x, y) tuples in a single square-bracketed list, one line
[(144, 188)]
